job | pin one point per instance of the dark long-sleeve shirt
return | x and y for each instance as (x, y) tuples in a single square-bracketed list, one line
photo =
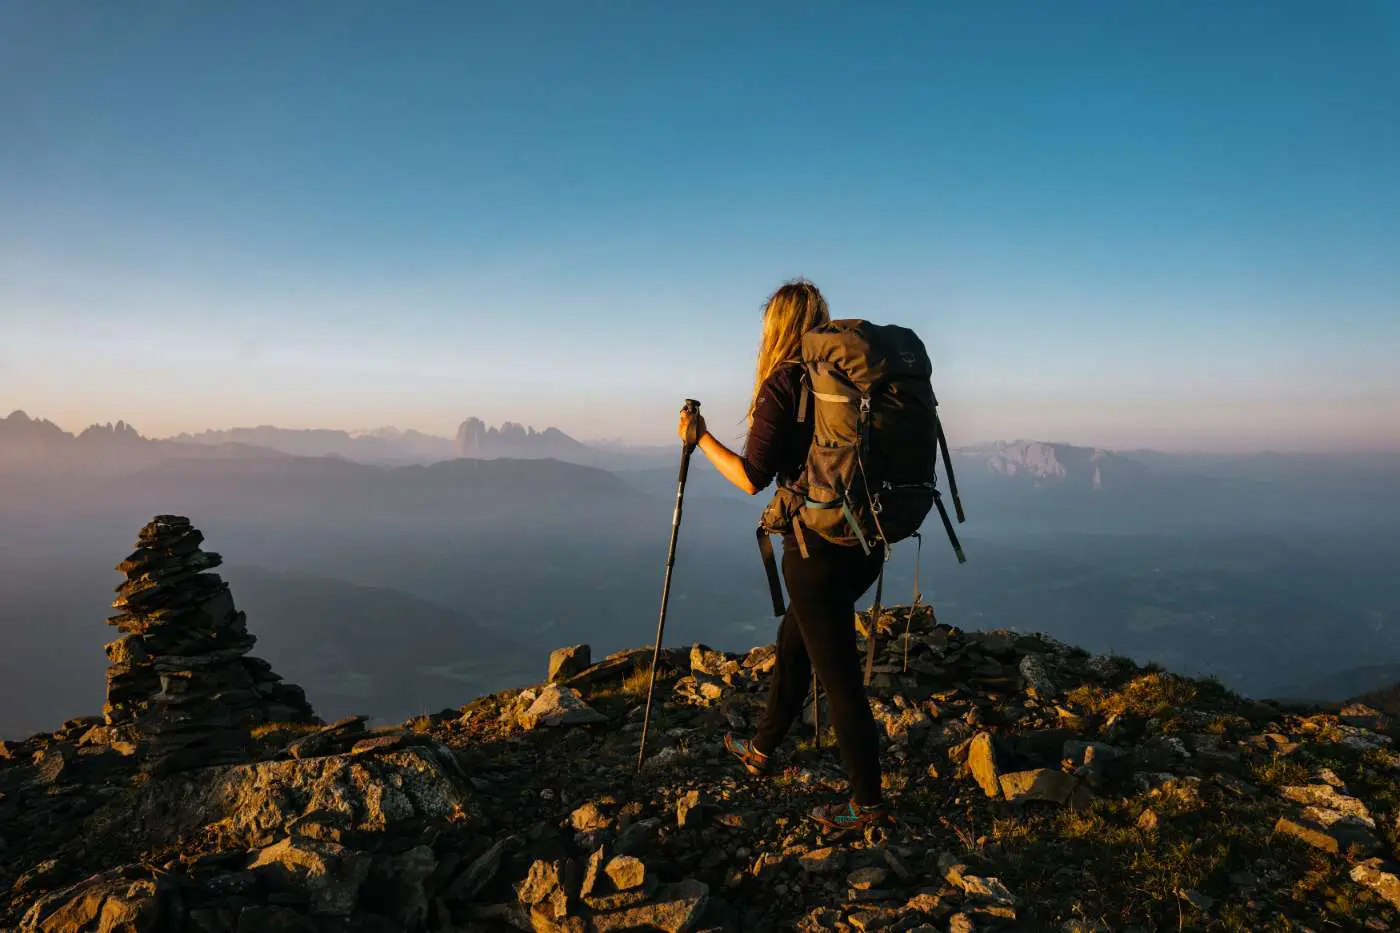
[(777, 442)]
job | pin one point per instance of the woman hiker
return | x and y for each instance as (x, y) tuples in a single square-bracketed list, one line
[(823, 588)]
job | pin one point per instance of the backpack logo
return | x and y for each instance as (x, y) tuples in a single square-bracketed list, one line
[(909, 358)]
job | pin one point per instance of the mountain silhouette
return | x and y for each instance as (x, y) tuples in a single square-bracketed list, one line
[(28, 444), (511, 440), (377, 446)]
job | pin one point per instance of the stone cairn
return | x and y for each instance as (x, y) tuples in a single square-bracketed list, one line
[(180, 687)]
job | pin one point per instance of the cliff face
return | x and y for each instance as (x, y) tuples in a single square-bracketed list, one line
[(516, 441), (1043, 464), (1034, 788)]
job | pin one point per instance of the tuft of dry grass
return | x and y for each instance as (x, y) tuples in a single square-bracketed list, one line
[(1156, 695), (287, 730), (637, 682), (1280, 771)]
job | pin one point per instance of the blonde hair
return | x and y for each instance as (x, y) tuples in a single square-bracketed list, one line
[(790, 312)]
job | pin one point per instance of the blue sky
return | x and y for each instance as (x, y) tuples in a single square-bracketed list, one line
[(1166, 224)]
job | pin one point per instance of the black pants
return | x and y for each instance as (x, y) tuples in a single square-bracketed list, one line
[(819, 631)]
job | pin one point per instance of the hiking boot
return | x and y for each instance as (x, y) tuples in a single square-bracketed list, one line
[(754, 761), (844, 817)]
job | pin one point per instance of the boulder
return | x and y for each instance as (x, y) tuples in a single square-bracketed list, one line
[(636, 836), (1365, 717), (566, 662), (898, 722), (542, 881), (626, 872), (690, 807), (705, 660), (589, 818), (1324, 797), (977, 889), (403, 880), (618, 666), (873, 919), (1379, 877), (330, 874), (821, 861), (329, 739), (961, 923), (1341, 838), (1041, 784), (863, 879), (479, 873), (123, 900), (982, 761), (1035, 678), (557, 706), (593, 872), (252, 805), (675, 909)]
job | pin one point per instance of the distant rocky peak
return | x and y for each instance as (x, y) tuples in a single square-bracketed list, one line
[(118, 431), (18, 420), (1043, 461), (514, 440), (1035, 458)]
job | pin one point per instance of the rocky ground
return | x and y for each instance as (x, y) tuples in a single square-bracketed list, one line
[(1035, 788)]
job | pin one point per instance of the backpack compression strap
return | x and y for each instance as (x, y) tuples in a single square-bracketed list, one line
[(941, 441), (948, 527), (874, 626), (770, 567)]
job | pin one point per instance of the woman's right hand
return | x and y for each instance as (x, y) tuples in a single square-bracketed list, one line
[(691, 427)]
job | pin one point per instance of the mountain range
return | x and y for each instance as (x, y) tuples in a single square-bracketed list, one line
[(37, 444), (474, 439), (27, 442)]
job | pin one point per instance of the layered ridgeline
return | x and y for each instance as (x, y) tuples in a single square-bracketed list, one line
[(1036, 788)]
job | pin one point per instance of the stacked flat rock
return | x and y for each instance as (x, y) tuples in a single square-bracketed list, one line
[(180, 684)]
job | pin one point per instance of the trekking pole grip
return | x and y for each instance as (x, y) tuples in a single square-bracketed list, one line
[(692, 438)]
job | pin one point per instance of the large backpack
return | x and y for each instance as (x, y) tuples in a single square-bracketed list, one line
[(871, 473)]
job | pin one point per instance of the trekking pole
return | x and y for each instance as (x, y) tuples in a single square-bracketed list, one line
[(687, 448)]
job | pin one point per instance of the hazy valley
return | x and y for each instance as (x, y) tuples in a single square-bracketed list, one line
[(403, 584)]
